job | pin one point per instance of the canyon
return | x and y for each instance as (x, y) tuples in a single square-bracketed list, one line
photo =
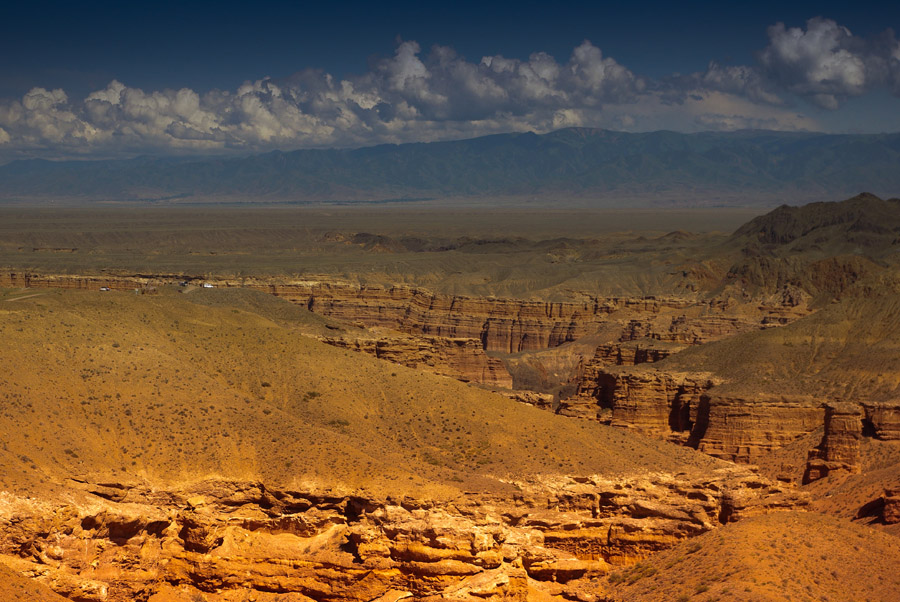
[(174, 435)]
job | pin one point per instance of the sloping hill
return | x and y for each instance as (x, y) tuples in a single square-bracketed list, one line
[(16, 588), (820, 248), (117, 387), (847, 350), (864, 224), (777, 557)]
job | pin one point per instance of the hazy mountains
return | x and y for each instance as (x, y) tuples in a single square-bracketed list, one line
[(596, 167)]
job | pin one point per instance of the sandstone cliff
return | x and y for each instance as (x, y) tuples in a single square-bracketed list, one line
[(683, 407), (462, 359), (228, 540)]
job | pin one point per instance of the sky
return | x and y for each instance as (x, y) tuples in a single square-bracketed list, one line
[(115, 79)]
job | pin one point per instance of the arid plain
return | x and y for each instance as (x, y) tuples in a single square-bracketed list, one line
[(226, 404)]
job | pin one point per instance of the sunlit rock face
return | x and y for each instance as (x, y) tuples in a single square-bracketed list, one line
[(229, 540)]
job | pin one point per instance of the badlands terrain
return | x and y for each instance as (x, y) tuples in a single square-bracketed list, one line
[(334, 404)]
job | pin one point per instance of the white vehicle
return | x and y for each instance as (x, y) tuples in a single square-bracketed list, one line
[(208, 285), (104, 288)]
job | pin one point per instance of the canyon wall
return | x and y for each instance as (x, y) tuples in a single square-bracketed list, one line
[(682, 407), (219, 541), (503, 325), (462, 359), (846, 423)]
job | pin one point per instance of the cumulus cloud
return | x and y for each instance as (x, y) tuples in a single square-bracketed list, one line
[(408, 96), (826, 62), (740, 80), (421, 96)]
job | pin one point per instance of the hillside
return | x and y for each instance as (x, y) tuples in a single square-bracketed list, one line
[(846, 350), (822, 248), (21, 589), (777, 557), (598, 167), (190, 444), (179, 387)]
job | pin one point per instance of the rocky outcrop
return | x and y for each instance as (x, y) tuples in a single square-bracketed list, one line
[(839, 448), (542, 401), (688, 330), (502, 325), (845, 424), (657, 403), (218, 541), (883, 419), (681, 407), (462, 359), (890, 515), (507, 325), (625, 354), (116, 283), (741, 429)]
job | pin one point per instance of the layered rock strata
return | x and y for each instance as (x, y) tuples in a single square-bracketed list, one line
[(218, 541), (502, 325), (462, 359), (845, 424), (682, 407), (883, 419), (630, 353), (742, 429), (839, 448)]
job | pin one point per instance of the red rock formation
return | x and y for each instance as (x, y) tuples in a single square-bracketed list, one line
[(462, 359), (657, 403), (507, 325), (884, 419), (218, 541), (681, 407), (741, 429), (839, 448), (624, 354), (891, 513), (685, 330)]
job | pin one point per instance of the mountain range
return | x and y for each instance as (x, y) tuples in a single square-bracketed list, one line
[(581, 166)]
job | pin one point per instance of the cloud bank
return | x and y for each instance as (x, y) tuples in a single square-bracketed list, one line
[(422, 96)]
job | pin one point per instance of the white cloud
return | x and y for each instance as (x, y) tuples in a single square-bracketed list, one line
[(417, 96), (405, 97), (824, 62)]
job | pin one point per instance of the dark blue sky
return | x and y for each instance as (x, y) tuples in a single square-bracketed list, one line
[(203, 45), (98, 78)]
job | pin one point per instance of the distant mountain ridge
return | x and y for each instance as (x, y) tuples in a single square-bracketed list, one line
[(596, 167)]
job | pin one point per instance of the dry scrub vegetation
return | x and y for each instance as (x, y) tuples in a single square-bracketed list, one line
[(784, 557), (117, 387)]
